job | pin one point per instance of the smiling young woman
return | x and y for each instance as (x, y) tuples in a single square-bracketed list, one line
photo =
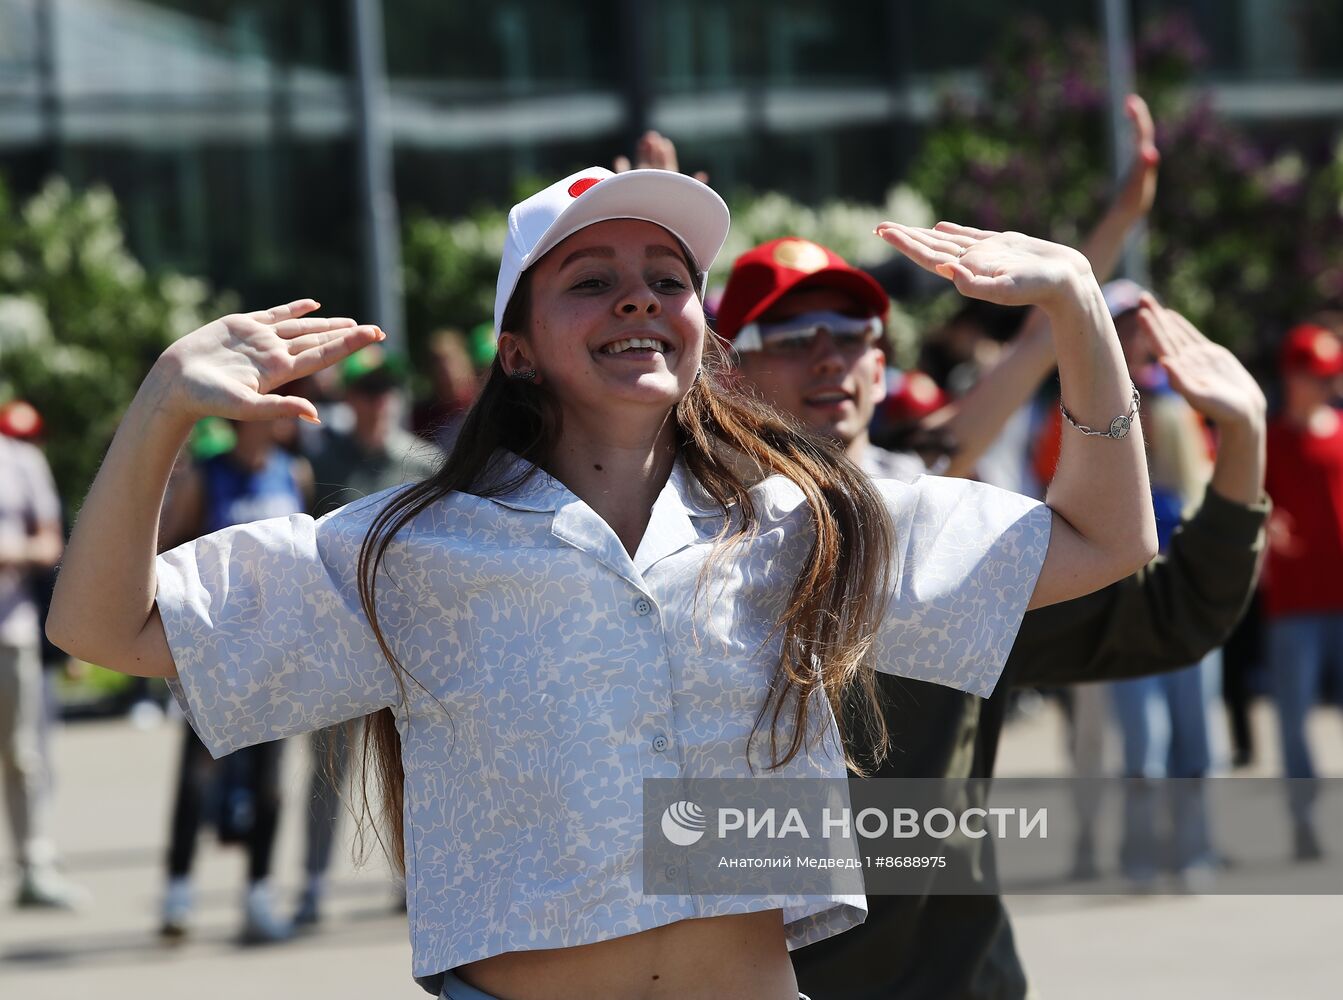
[(524, 630)]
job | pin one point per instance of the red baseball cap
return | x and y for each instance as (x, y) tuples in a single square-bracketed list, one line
[(913, 397), (19, 419), (762, 276), (1311, 349)]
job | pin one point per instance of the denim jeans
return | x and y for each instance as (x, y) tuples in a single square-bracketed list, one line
[(1302, 651), (1165, 722)]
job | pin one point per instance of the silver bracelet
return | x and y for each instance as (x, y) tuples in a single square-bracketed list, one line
[(1119, 426)]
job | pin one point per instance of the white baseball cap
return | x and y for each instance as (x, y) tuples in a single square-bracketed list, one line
[(689, 210)]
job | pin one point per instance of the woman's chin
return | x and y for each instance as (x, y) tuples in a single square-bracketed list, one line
[(648, 389)]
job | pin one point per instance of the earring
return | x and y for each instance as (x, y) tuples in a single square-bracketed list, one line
[(523, 374)]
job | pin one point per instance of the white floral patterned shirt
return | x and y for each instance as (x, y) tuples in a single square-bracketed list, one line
[(558, 672)]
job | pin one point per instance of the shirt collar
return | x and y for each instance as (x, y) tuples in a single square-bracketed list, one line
[(670, 528), (543, 493)]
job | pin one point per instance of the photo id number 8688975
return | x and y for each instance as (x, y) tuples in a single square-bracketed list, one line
[(907, 861)]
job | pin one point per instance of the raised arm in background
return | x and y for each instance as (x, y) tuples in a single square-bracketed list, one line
[(1103, 527), (974, 421), (103, 606), (1187, 600)]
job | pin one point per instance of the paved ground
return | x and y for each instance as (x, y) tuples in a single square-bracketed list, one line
[(112, 813)]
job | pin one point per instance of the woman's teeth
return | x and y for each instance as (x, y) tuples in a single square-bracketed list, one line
[(635, 343)]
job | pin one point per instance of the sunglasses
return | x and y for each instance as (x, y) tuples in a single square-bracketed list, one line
[(796, 337)]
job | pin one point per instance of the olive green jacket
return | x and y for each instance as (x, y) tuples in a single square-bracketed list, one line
[(1168, 615)]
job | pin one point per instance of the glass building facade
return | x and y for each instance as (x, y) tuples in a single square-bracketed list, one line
[(227, 128)]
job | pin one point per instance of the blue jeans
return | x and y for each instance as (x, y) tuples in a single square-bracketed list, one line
[(1165, 725), (1302, 651)]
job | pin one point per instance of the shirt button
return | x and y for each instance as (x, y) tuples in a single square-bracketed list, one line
[(672, 871), (660, 743), (643, 606)]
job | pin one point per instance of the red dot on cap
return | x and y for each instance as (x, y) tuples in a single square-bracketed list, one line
[(581, 185)]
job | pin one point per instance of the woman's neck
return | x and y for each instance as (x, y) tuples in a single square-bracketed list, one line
[(618, 476)]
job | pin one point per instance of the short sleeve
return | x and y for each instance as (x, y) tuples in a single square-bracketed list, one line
[(265, 627), (967, 558)]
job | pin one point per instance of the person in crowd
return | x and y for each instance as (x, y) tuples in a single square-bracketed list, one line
[(1165, 720), (31, 541), (806, 340), (252, 481), (960, 352), (1174, 611), (526, 627), (375, 454), (376, 451), (454, 384), (1303, 588)]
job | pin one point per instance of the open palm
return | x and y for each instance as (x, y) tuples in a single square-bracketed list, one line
[(1207, 375), (1007, 268), (229, 367)]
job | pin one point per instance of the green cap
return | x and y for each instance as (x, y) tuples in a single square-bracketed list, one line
[(482, 345), (210, 437), (373, 368)]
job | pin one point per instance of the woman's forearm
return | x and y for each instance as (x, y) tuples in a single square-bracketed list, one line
[(1101, 486), (104, 596), (1238, 474)]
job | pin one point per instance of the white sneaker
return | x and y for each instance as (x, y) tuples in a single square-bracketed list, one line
[(260, 924), (43, 887), (176, 912)]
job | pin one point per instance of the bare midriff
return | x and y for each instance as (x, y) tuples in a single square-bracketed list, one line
[(744, 956)]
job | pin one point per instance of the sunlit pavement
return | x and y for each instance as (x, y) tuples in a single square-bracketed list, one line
[(111, 812)]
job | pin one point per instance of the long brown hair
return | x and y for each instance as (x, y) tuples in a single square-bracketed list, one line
[(834, 607)]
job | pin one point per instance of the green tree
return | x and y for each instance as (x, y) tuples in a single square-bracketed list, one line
[(81, 321)]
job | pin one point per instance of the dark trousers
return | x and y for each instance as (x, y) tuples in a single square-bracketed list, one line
[(261, 766)]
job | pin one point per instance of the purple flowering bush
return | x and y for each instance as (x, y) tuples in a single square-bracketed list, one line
[(1246, 236)]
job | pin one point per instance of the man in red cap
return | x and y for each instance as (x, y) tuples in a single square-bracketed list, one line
[(1303, 587), (807, 328), (807, 331)]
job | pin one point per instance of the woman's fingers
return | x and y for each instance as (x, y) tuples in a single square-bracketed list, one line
[(946, 243), (923, 250), (320, 338), (1155, 327), (955, 228), (1159, 324), (1187, 329), (290, 310), (291, 328), (329, 347), (273, 407), (1001, 288)]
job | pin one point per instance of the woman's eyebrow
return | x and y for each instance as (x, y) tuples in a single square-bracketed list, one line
[(662, 250), (604, 252)]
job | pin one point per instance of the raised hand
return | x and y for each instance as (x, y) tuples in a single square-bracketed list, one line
[(1006, 268), (1134, 199), (229, 367), (1207, 375), (656, 152)]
